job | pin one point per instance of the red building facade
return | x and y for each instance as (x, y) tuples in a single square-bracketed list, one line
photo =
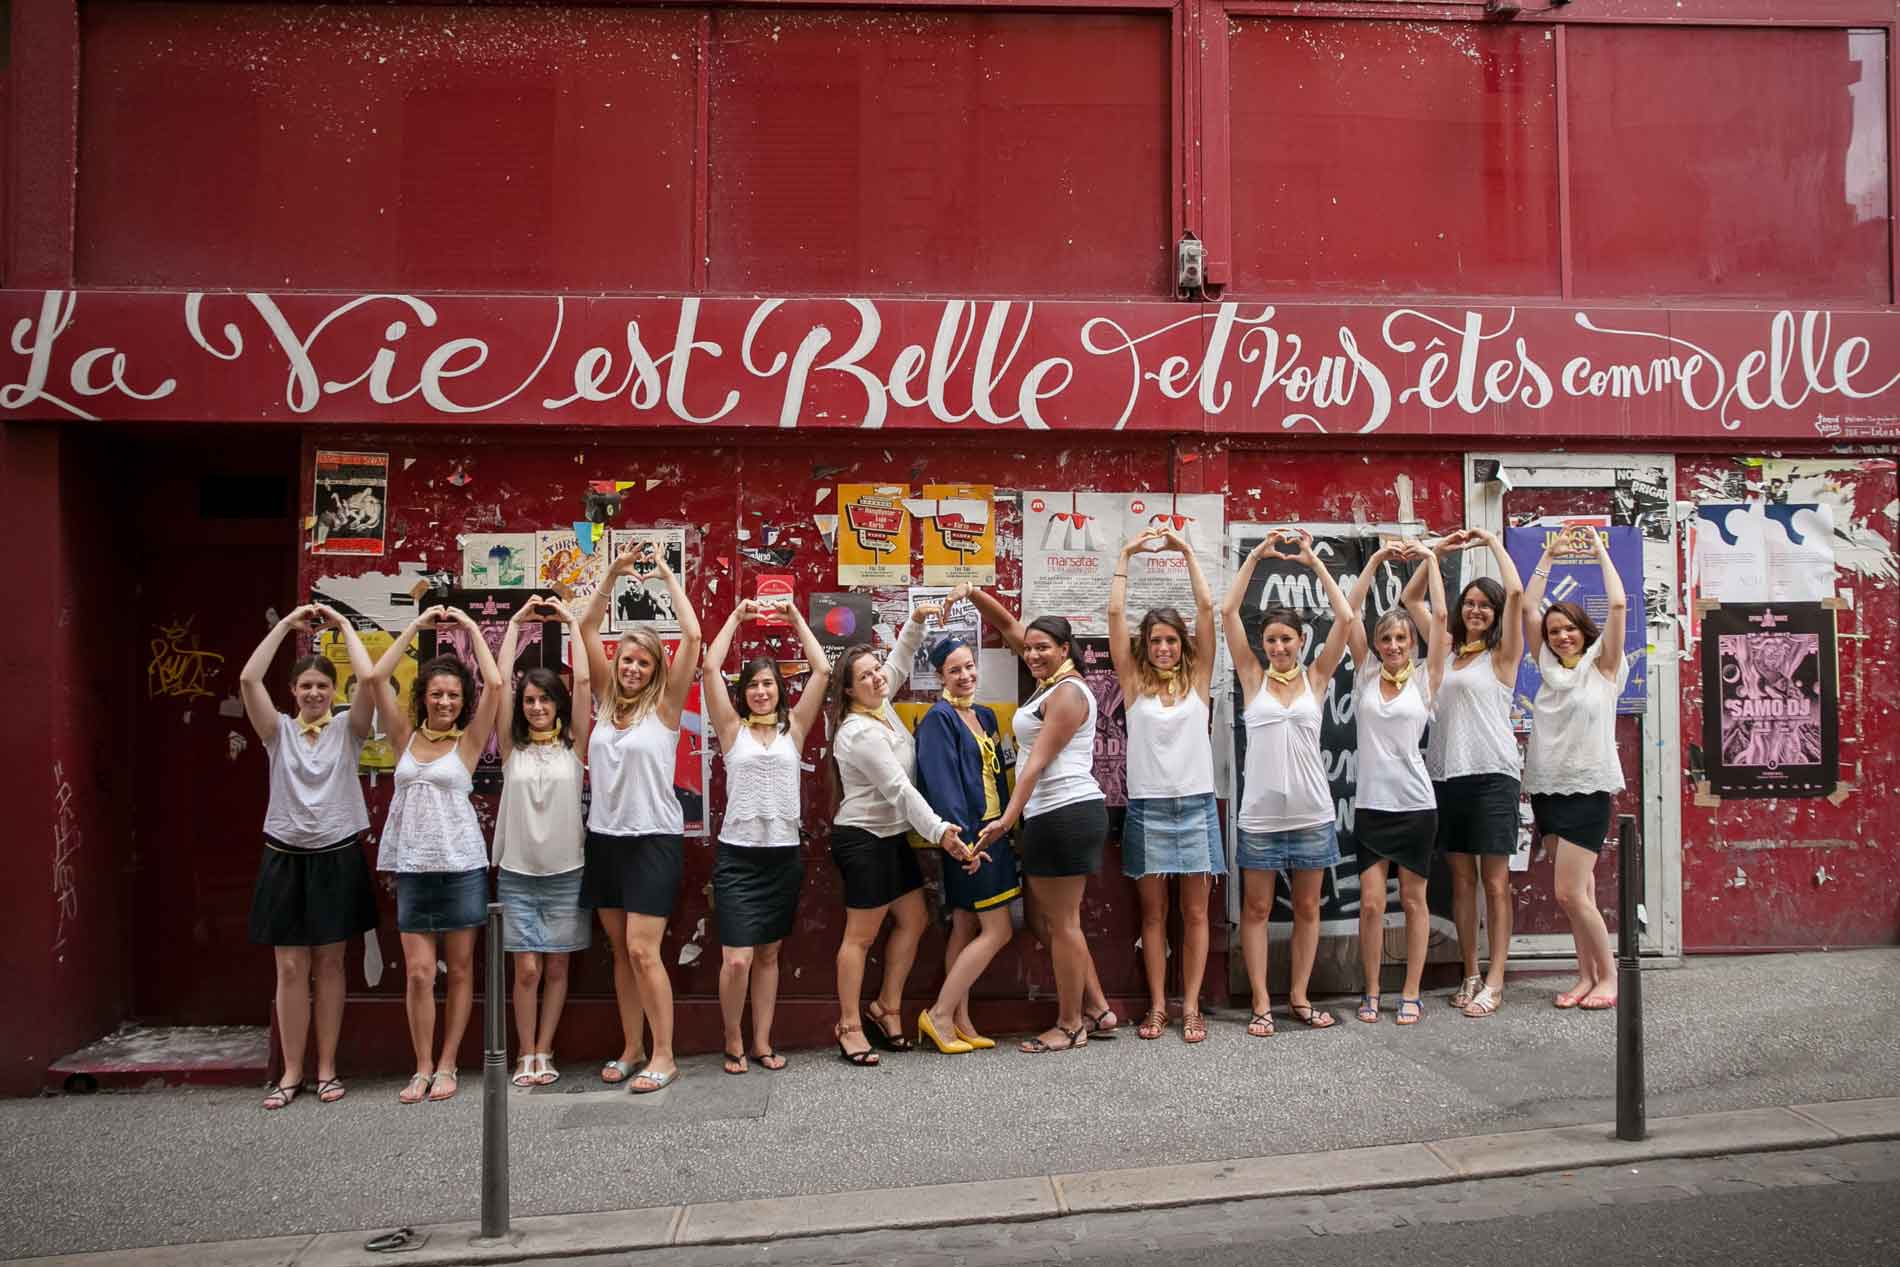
[(739, 254)]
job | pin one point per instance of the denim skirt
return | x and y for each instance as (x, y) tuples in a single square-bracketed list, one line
[(541, 914), (1172, 835), (1302, 849), (441, 901)]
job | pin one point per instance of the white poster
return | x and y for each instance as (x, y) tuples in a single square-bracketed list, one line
[(643, 599), (1072, 541), (497, 560), (1756, 552), (961, 622)]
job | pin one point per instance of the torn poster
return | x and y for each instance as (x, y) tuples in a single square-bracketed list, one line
[(1072, 540), (1838, 483), (1641, 499), (1770, 722), (874, 535), (959, 522), (350, 502), (1578, 578), (561, 566), (961, 622), (643, 599), (378, 754), (373, 600), (497, 560), (537, 646)]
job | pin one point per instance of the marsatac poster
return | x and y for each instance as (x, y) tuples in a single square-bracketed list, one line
[(1770, 722), (959, 523), (873, 534), (350, 503)]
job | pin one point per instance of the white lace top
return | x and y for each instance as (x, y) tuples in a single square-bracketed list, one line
[(761, 792), (432, 824), (1471, 724), (1573, 727)]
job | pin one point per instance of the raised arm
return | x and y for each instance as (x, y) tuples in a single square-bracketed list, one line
[(1246, 663), (382, 680), (1534, 597), (1204, 636), (999, 618), (718, 701), (581, 724), (482, 724), (679, 677), (910, 636), (1326, 660), (1437, 627), (253, 682), (1511, 629), (1610, 660), (1127, 670), (811, 699), (1356, 601), (1062, 715), (363, 703), (510, 642), (1414, 597), (596, 610)]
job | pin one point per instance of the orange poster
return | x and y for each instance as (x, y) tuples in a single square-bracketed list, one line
[(959, 533), (873, 534)]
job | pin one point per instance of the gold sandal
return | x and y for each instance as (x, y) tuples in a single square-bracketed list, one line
[(1154, 1023)]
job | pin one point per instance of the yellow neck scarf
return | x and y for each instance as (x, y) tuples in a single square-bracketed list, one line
[(1471, 648), (1291, 675), (761, 719), (959, 701), (308, 728), (1400, 678), (875, 714), (1065, 669), (546, 736), (437, 736), (1570, 661)]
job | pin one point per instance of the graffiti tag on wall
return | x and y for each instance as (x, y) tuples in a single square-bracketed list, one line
[(179, 667)]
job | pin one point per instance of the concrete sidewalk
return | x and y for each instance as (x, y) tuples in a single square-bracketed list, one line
[(987, 1136)]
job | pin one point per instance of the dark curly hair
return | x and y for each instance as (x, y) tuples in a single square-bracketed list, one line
[(549, 683), (442, 666)]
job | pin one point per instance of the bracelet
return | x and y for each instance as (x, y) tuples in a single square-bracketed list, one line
[(1120, 576), (1543, 571)]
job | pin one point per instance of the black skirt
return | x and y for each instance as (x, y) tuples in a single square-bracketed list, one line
[(755, 893), (1582, 818), (877, 870), (1477, 813), (636, 874), (1065, 841), (312, 897), (1405, 838)]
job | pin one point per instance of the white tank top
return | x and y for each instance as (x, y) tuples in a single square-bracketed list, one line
[(761, 792), (632, 775), (1070, 775), (1286, 772), (538, 829), (1573, 727), (316, 799), (1471, 724), (1391, 769), (1169, 752), (431, 824)]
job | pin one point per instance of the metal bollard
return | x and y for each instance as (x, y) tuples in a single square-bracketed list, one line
[(1631, 1113), (495, 1087)]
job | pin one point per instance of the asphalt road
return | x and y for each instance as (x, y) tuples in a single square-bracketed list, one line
[(1834, 1206)]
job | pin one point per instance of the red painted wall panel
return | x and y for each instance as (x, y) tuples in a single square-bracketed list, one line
[(414, 147), (1737, 162), (1393, 157), (981, 152)]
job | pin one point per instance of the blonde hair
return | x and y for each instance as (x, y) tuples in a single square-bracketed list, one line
[(614, 703)]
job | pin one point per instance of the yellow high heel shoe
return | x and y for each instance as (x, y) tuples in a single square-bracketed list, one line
[(975, 1040), (948, 1046)]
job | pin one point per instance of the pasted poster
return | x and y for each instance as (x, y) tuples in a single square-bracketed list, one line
[(1770, 724), (642, 598), (1072, 540), (377, 755), (873, 534), (498, 560), (538, 646), (562, 566), (1578, 578), (350, 503), (691, 756), (1290, 584), (961, 622), (1111, 721), (1762, 552), (959, 523), (842, 619)]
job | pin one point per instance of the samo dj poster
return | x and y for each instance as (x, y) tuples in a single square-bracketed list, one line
[(1770, 725)]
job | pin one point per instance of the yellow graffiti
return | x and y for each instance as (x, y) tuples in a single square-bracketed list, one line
[(179, 667)]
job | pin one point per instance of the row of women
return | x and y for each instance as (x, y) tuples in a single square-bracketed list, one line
[(1425, 661)]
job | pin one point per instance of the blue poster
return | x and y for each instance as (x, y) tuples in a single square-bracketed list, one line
[(1580, 580)]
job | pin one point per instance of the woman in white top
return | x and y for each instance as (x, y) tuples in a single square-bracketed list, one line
[(1173, 824), (431, 837), (758, 869), (1572, 768), (1063, 812), (1287, 821), (538, 835), (873, 771), (1472, 757), (313, 890), (635, 849), (1395, 816)]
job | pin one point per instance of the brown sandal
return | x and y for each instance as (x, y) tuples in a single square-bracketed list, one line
[(1193, 1027), (1154, 1023)]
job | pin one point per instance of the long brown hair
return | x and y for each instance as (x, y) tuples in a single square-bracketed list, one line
[(1151, 682), (837, 701), (643, 701)]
